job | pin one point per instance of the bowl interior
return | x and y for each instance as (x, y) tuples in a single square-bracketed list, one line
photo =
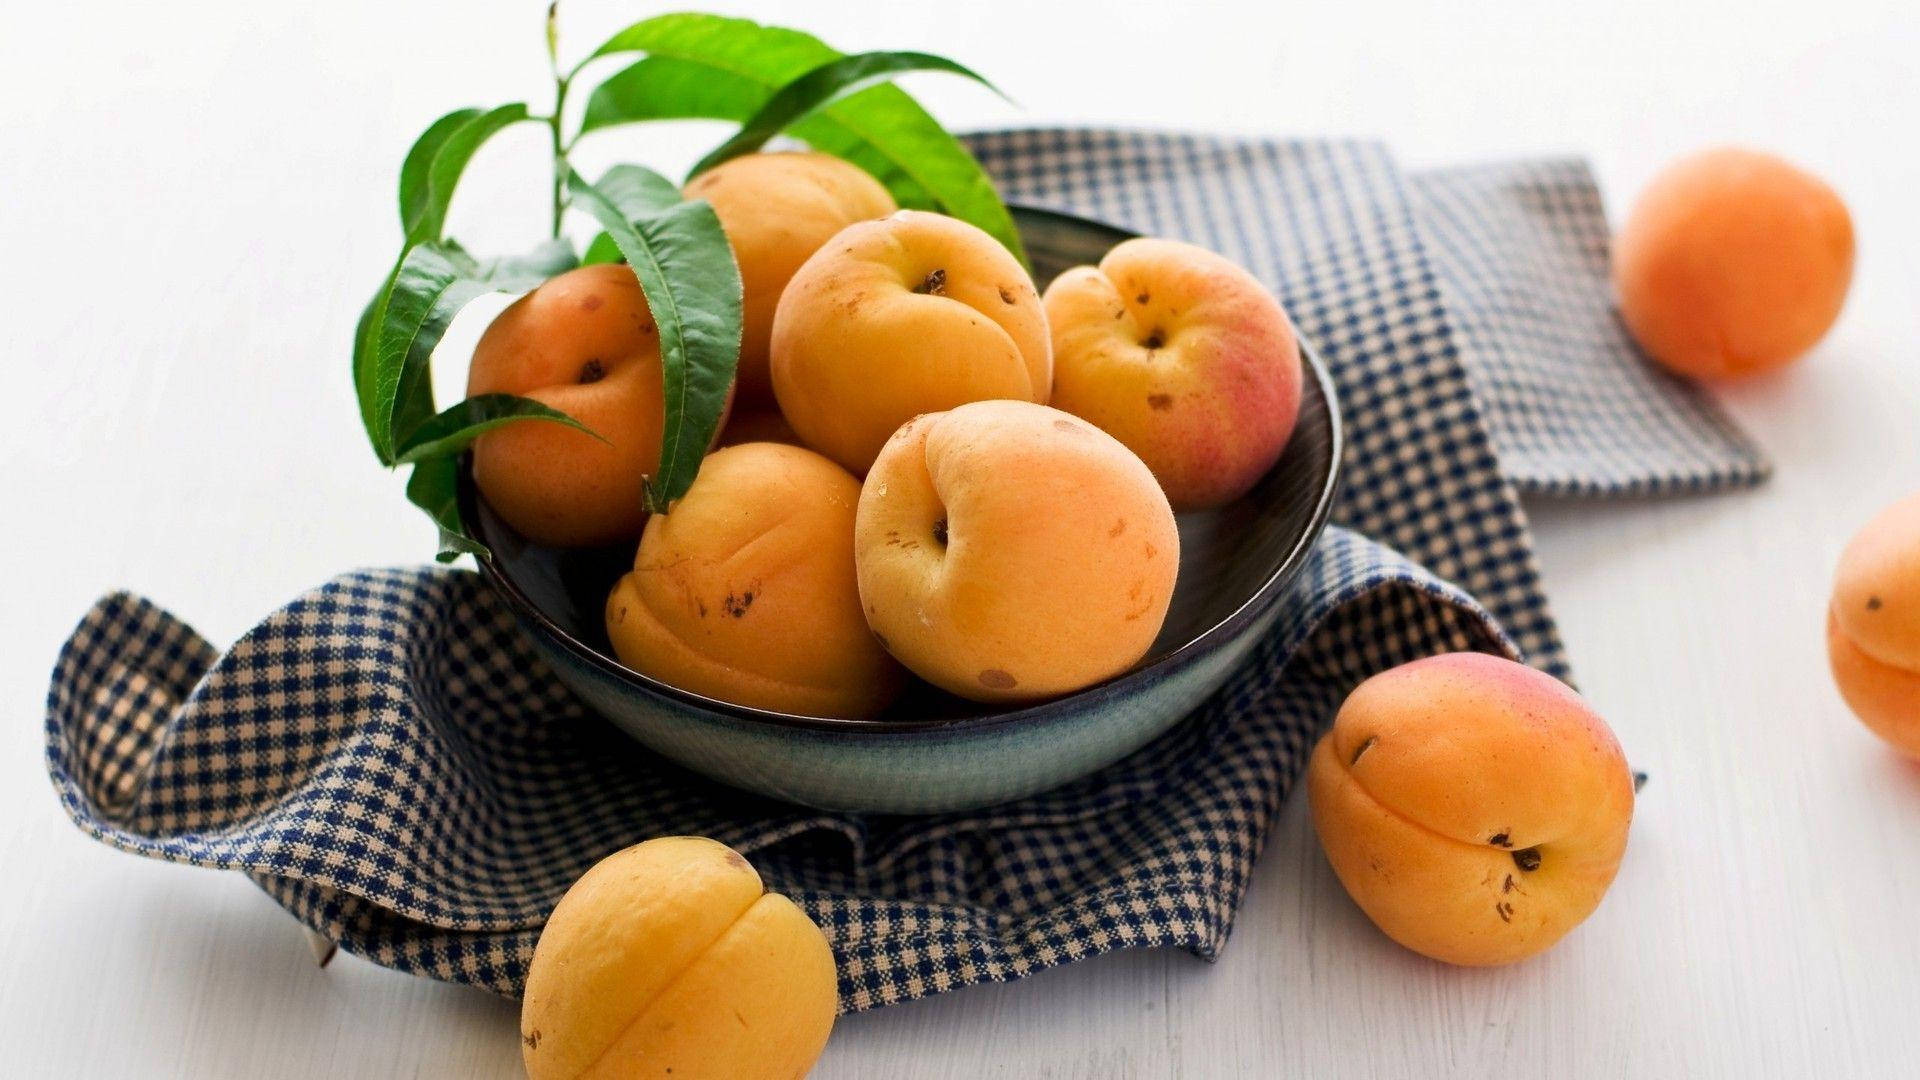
[(1232, 560)]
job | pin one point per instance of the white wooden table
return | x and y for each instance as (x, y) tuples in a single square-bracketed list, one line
[(195, 199)]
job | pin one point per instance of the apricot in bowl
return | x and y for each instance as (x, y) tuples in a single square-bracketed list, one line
[(929, 750), (777, 210), (911, 314), (1183, 356), (584, 343)]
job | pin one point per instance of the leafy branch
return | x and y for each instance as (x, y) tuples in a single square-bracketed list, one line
[(770, 81)]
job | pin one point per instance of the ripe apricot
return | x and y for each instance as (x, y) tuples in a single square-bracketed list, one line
[(1184, 357), (670, 959), (910, 314), (744, 589), (1733, 262), (1008, 551), (584, 343), (1873, 625), (777, 209), (1475, 809)]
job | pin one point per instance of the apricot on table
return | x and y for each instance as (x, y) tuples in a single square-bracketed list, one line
[(1873, 625), (1184, 357), (744, 589), (1475, 809), (584, 343), (670, 958), (777, 209), (1008, 551), (1732, 262), (910, 314)]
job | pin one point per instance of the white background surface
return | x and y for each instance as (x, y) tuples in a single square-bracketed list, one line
[(195, 199)]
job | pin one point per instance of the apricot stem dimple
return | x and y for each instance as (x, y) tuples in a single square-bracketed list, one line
[(935, 284), (940, 532), (1155, 340), (592, 372), (1527, 859)]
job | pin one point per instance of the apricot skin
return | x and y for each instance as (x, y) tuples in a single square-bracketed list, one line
[(584, 343), (1185, 358), (777, 209), (1474, 808), (671, 959), (1873, 625), (744, 590), (1732, 263), (910, 314), (1009, 552)]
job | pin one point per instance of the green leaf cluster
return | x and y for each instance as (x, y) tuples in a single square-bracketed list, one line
[(720, 68), (768, 80)]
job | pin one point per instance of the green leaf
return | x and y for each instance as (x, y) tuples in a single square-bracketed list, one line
[(435, 488), (377, 419), (713, 35), (602, 250), (692, 285), (638, 192), (405, 322), (712, 67), (363, 343), (451, 430), (665, 88), (514, 273), (430, 286), (450, 154), (414, 197), (831, 81)]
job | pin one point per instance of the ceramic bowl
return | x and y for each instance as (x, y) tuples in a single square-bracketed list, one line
[(932, 752)]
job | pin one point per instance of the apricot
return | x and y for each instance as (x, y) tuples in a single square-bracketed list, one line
[(670, 958), (1733, 262), (1475, 809), (777, 209), (1873, 625), (744, 589), (585, 344), (910, 314), (1184, 357), (1008, 551)]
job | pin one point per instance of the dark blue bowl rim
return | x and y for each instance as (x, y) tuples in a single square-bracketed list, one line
[(1227, 629)]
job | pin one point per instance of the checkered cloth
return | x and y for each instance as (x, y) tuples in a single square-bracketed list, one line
[(390, 761)]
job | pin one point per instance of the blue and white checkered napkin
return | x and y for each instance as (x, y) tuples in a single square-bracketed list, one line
[(390, 761)]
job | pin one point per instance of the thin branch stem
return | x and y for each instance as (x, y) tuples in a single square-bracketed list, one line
[(560, 145), (559, 154)]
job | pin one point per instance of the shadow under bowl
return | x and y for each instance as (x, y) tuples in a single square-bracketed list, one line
[(932, 752)]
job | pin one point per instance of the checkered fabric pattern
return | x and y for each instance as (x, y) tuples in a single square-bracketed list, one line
[(388, 759)]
